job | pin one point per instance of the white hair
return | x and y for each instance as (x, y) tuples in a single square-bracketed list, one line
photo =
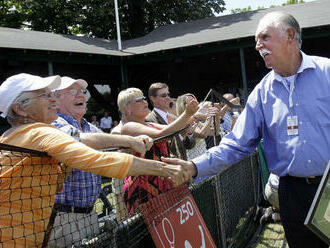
[(284, 21)]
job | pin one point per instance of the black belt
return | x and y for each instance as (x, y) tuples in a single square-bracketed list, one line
[(308, 180), (72, 209)]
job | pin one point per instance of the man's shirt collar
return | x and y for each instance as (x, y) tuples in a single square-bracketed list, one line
[(306, 63), (74, 122), (162, 113)]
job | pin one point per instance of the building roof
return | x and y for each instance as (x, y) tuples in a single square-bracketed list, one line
[(193, 33), (35, 40), (223, 28)]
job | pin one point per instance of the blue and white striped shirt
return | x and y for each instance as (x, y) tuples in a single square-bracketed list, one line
[(227, 120), (81, 189)]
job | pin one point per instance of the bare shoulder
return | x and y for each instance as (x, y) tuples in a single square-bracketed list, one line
[(151, 116), (131, 127)]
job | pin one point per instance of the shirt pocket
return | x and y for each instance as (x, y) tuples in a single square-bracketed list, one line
[(322, 105)]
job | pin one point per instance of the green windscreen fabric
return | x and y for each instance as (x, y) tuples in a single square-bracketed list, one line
[(205, 197), (263, 163)]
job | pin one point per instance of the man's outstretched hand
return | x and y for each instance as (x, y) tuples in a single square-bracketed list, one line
[(189, 168)]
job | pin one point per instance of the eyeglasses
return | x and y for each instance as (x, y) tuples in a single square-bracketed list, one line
[(46, 95), (164, 95), (75, 92), (140, 99)]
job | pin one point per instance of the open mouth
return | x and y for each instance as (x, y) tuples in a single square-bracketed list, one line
[(79, 104), (264, 52)]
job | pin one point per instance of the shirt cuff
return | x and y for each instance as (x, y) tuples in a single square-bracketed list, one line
[(196, 170), (201, 164)]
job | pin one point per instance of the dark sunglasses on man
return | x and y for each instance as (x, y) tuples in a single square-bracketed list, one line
[(164, 95)]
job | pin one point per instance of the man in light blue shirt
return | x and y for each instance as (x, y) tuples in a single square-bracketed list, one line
[(289, 109)]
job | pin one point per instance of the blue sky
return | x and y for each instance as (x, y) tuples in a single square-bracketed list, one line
[(233, 4)]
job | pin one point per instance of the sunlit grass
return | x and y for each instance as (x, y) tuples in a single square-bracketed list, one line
[(99, 204), (272, 236)]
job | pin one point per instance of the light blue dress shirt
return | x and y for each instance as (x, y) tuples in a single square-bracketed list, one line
[(265, 116)]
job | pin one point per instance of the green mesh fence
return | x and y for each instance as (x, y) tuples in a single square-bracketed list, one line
[(205, 196), (238, 193)]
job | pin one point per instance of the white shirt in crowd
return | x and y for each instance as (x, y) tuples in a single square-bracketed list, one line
[(163, 114), (106, 122)]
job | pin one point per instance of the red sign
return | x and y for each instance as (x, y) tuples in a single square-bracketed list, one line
[(179, 225)]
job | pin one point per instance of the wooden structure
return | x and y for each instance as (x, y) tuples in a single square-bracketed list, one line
[(191, 57)]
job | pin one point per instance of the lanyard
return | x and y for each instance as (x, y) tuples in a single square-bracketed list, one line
[(291, 89)]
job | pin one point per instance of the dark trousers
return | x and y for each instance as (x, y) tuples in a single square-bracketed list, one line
[(106, 130), (295, 197)]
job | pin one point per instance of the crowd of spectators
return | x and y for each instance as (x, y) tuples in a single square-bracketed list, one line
[(164, 147)]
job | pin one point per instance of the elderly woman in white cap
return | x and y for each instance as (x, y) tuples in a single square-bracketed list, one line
[(28, 186)]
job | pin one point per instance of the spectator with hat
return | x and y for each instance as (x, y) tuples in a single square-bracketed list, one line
[(28, 183)]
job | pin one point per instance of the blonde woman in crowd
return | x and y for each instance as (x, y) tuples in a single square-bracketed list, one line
[(134, 108)]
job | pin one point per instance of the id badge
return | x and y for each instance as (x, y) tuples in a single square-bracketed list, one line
[(292, 125)]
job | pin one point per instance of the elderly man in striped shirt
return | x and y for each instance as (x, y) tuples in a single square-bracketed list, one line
[(76, 219)]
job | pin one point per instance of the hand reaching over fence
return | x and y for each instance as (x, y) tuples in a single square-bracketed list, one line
[(141, 144), (189, 168), (176, 173)]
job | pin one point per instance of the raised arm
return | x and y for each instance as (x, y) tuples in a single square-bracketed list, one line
[(135, 129)]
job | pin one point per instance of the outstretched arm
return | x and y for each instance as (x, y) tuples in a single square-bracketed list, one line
[(74, 154), (135, 129), (188, 166), (100, 141), (176, 173)]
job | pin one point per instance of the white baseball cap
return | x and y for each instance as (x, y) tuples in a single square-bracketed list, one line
[(15, 85), (66, 82)]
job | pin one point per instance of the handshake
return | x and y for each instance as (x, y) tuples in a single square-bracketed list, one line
[(179, 171)]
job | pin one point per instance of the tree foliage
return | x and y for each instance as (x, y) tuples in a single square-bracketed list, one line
[(11, 14), (96, 18), (240, 10), (288, 2)]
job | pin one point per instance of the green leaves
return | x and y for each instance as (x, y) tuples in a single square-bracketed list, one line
[(11, 14), (96, 18)]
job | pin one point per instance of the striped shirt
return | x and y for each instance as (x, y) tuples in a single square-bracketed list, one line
[(227, 120), (81, 188)]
